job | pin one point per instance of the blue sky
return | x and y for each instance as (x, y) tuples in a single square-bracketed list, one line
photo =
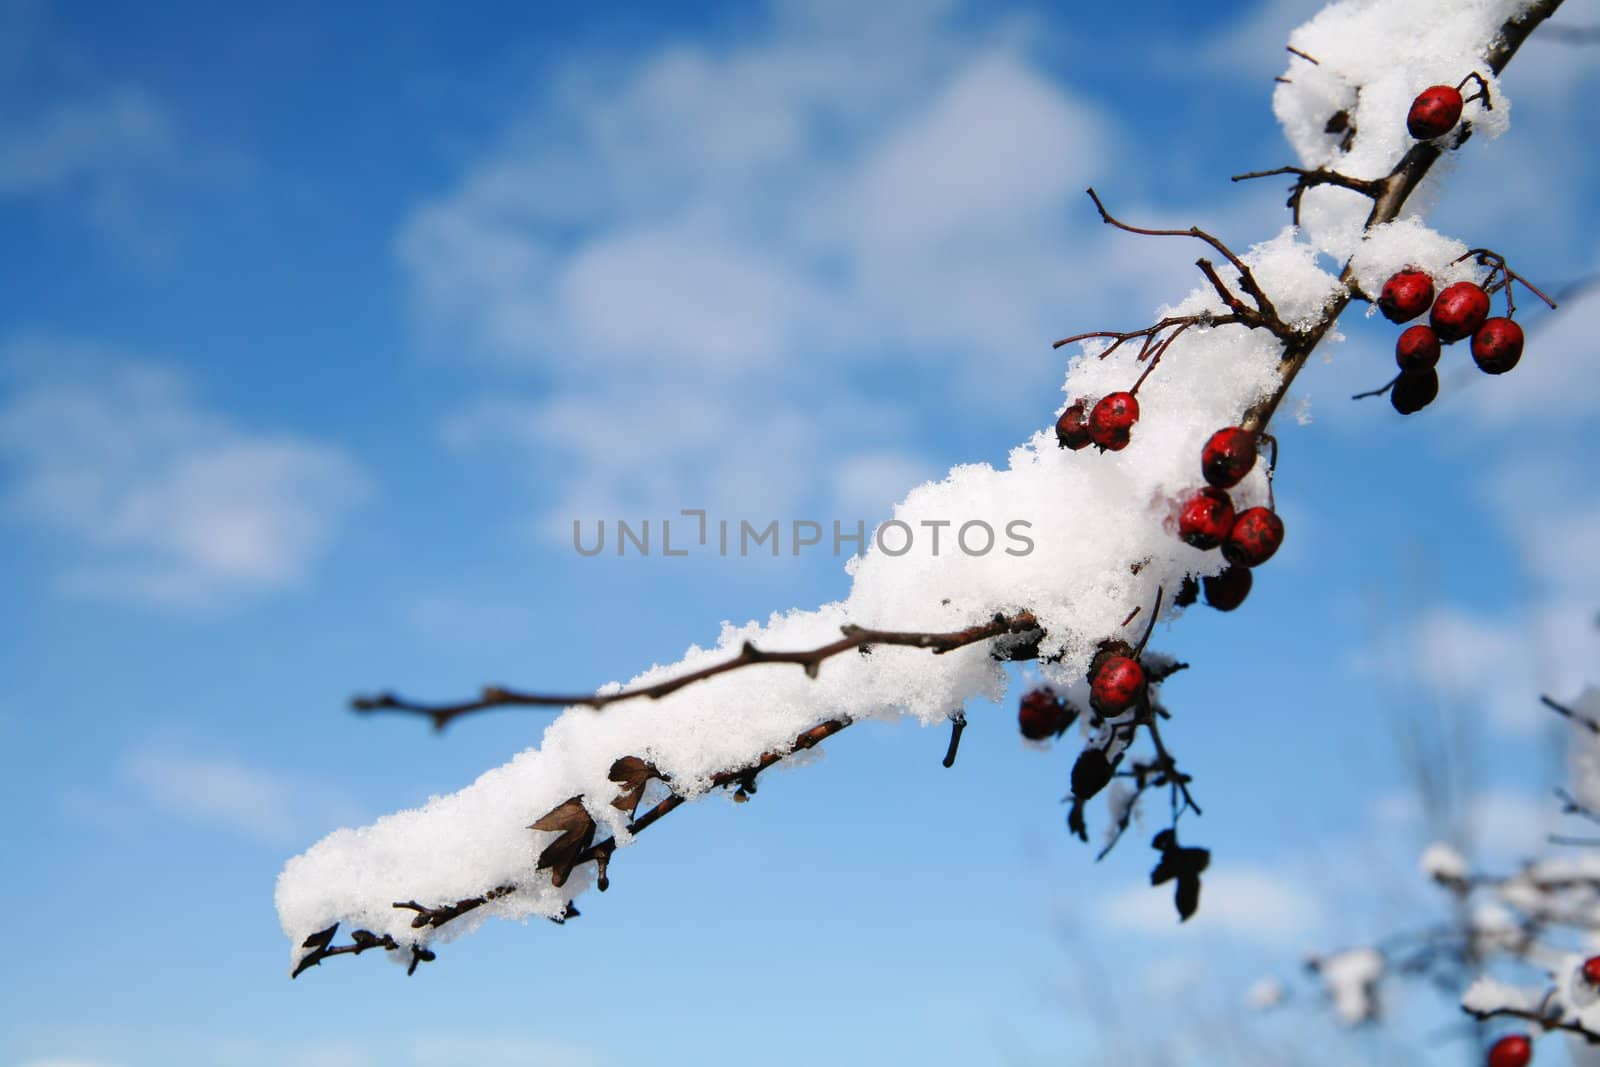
[(320, 329)]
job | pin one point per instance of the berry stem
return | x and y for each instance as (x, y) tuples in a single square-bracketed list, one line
[(1481, 94), (1155, 613), (1378, 391)]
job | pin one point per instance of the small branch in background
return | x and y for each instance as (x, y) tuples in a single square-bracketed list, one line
[(1576, 718)]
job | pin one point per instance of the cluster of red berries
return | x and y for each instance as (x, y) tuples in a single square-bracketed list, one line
[(1513, 1050), (1460, 311), (1107, 422), (1116, 683), (1207, 520)]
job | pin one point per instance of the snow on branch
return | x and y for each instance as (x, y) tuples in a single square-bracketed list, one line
[(1106, 531)]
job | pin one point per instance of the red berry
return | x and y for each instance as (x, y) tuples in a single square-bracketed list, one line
[(1417, 349), (1513, 1050), (1459, 311), (1414, 391), (1042, 714), (1116, 685), (1255, 536), (1072, 428), (1497, 346), (1206, 518), (1112, 419), (1228, 456), (1406, 295), (1227, 590), (1434, 112), (1591, 970)]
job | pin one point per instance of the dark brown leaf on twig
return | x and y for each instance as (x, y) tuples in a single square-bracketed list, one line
[(576, 829), (632, 774)]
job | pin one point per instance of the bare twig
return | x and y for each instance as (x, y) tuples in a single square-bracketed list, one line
[(809, 659), (1246, 278), (1308, 179)]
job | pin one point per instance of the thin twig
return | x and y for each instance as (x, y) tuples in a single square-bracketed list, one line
[(809, 659), (1246, 278)]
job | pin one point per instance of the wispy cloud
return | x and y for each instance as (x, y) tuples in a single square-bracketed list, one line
[(221, 791), (704, 248), (1250, 903), (83, 138), (165, 502)]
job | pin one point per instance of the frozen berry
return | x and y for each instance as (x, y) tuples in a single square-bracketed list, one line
[(1205, 518), (1228, 456), (1255, 536), (1072, 428), (1591, 970), (1042, 714), (1406, 295), (1497, 346), (1188, 592), (1513, 1050), (1117, 684), (1227, 590), (1459, 311), (1112, 420), (1417, 349), (1434, 112), (1414, 391)]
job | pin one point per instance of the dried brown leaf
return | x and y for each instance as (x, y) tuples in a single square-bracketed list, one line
[(632, 774), (576, 829)]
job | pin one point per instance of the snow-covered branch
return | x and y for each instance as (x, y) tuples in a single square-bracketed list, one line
[(1171, 495)]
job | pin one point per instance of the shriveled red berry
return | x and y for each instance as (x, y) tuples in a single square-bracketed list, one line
[(1434, 112), (1227, 590), (1513, 1050), (1417, 349), (1112, 420), (1042, 714), (1497, 346), (1591, 970), (1117, 684), (1072, 428), (1459, 311), (1414, 391), (1228, 456), (1406, 295), (1205, 517), (1255, 536)]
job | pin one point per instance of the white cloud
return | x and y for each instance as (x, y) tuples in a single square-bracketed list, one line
[(1249, 903), (1503, 826), (87, 138), (1253, 47), (499, 1052), (865, 486), (217, 790), (167, 503), (713, 239)]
